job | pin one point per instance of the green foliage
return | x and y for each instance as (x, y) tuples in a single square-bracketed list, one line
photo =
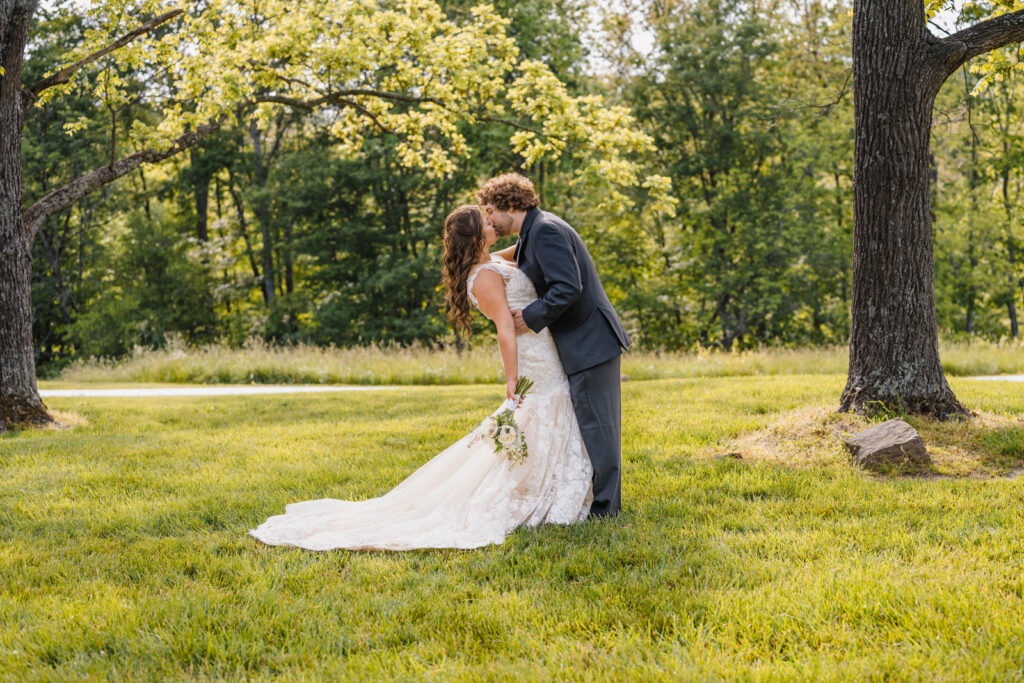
[(401, 67), (322, 228), (880, 410), (997, 66), (69, 245), (979, 225), (157, 284), (755, 252), (125, 555), (371, 232)]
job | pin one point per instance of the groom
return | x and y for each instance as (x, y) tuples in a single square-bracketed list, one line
[(574, 307)]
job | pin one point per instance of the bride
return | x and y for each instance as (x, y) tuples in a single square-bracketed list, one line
[(469, 496)]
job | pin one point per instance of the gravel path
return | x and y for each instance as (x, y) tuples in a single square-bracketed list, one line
[(1002, 378)]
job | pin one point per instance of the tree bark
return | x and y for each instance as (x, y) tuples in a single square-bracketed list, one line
[(894, 353), (20, 403), (898, 68)]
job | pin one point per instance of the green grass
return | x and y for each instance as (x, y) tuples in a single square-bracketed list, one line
[(123, 551), (259, 363)]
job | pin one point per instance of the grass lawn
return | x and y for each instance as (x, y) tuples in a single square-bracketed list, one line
[(123, 551)]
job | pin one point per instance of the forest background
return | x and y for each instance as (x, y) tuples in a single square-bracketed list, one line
[(264, 230)]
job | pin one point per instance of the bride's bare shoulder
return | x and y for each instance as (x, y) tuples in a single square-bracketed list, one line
[(487, 291), (484, 272)]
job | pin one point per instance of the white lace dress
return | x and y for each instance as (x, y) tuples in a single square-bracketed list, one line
[(467, 496)]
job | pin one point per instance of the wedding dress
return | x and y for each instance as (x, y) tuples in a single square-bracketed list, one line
[(468, 496)]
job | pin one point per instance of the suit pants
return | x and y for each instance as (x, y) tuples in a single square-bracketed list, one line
[(597, 401)]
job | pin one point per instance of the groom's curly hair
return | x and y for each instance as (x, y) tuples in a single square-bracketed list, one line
[(463, 240), (509, 192)]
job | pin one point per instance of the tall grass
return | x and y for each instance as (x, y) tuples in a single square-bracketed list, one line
[(259, 363)]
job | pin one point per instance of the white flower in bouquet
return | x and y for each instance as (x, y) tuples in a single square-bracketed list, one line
[(508, 436), (490, 426)]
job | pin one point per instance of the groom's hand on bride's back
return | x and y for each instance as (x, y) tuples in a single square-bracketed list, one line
[(517, 318)]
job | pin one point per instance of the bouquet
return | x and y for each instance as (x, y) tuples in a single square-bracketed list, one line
[(501, 427)]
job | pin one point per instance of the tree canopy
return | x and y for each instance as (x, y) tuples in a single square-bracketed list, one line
[(344, 134)]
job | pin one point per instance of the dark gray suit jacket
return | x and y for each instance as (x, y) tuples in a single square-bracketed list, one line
[(572, 303)]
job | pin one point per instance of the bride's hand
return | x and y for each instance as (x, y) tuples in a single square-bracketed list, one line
[(510, 392), (510, 389)]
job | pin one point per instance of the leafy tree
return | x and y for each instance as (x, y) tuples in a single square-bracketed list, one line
[(977, 227), (363, 68), (754, 253), (66, 247)]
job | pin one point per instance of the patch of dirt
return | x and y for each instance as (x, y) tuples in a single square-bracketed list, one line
[(67, 420), (988, 445)]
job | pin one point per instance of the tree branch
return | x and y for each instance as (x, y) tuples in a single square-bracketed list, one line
[(311, 105), (983, 37), (64, 75), (351, 92), (362, 110), (384, 95), (65, 196), (518, 126), (308, 105)]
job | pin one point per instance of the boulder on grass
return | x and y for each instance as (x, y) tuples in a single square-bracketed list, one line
[(891, 443)]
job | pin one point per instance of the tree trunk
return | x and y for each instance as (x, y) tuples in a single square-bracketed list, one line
[(263, 217), (201, 190), (972, 266), (286, 259), (1011, 243), (20, 403), (973, 181), (244, 229), (894, 353), (1011, 299)]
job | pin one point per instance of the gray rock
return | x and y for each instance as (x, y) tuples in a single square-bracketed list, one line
[(623, 378), (892, 442)]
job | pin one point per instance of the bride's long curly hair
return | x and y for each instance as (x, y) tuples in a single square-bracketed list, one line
[(463, 240)]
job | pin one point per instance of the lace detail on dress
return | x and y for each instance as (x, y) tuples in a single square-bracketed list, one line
[(468, 495)]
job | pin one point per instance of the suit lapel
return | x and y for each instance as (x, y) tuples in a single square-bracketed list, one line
[(531, 215)]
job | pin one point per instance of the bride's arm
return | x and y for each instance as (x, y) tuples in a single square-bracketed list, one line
[(508, 253), (489, 290)]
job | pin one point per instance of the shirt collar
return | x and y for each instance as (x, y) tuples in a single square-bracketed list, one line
[(531, 215)]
